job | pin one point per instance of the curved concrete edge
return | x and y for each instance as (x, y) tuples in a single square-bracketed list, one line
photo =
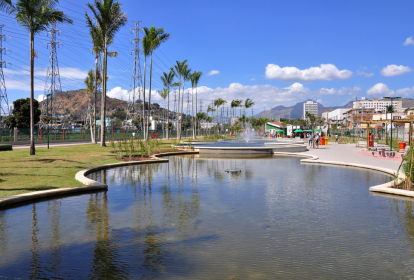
[(6, 201), (81, 175), (89, 185), (384, 188)]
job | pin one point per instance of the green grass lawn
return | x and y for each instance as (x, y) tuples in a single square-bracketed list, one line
[(48, 169), (53, 168)]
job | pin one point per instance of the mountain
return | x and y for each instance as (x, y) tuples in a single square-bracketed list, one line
[(296, 111), (73, 105)]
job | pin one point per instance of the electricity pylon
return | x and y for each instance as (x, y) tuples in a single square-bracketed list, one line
[(136, 80), (52, 84), (4, 103)]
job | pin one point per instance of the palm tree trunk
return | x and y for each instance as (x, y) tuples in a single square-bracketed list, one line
[(182, 106), (192, 108), (144, 122), (178, 111), (90, 122), (32, 143), (217, 120), (103, 98), (168, 114), (96, 101), (196, 114), (149, 95)]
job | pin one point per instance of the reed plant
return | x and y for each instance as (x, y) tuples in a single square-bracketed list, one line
[(119, 146), (112, 143)]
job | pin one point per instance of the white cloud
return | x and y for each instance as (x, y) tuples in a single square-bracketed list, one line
[(394, 70), (118, 93), (323, 72), (362, 73), (341, 91), (41, 97), (267, 95), (23, 83), (409, 41), (123, 94), (380, 89), (405, 91), (213, 72)]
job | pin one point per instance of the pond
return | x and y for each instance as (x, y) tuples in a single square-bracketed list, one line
[(188, 219)]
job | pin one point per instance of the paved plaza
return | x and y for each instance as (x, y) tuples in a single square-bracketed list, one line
[(350, 154)]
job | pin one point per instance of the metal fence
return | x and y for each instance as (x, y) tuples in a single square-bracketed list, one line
[(23, 134), (398, 134)]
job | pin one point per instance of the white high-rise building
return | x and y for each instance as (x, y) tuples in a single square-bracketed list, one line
[(311, 107), (379, 105)]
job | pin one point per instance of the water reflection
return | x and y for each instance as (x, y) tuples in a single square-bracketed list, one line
[(189, 219)]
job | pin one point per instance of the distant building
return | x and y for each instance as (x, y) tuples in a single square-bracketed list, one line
[(311, 107), (234, 120), (336, 115), (379, 105), (207, 125), (274, 127)]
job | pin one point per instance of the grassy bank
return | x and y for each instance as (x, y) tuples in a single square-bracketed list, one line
[(56, 167), (48, 169)]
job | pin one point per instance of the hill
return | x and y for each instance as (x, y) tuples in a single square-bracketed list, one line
[(296, 111), (73, 105)]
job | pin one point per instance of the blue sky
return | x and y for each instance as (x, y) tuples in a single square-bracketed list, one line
[(275, 52)]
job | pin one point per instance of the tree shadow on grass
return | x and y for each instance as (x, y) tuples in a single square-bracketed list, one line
[(22, 174), (42, 188), (50, 160)]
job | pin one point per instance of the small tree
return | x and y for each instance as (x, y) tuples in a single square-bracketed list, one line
[(311, 118), (21, 114)]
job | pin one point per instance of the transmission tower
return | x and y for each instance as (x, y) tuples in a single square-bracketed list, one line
[(136, 79), (52, 85), (4, 103)]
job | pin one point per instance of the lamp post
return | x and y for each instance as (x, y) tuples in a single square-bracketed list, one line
[(47, 118), (391, 98)]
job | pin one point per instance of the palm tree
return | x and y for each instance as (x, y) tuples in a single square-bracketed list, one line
[(154, 37), (186, 77), (195, 78), (200, 116), (97, 41), (89, 82), (179, 70), (110, 18), (248, 104), (388, 110), (36, 16), (146, 51), (176, 85), (163, 94), (218, 102), (167, 80)]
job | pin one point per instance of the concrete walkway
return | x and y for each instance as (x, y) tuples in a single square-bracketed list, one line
[(350, 154)]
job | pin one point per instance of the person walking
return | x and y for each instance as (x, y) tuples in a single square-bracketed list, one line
[(310, 139), (336, 138)]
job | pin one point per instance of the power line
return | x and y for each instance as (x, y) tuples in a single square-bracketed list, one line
[(3, 91), (136, 79)]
